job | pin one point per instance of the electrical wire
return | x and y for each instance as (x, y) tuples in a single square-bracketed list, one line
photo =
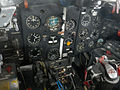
[(22, 77), (73, 82), (58, 85), (61, 85), (91, 59)]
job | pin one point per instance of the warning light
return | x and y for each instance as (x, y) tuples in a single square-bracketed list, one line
[(68, 43), (118, 33)]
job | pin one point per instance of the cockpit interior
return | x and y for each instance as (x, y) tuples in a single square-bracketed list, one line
[(59, 44)]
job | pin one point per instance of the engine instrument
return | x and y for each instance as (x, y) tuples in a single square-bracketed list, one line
[(33, 22), (80, 47), (86, 19), (53, 54), (35, 53), (70, 25), (34, 38), (83, 33)]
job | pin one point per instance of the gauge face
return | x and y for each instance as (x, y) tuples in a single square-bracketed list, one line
[(34, 38), (95, 34), (80, 47), (100, 42), (53, 23), (53, 40), (86, 19), (70, 25), (83, 33), (34, 53), (96, 21), (53, 54), (33, 22), (91, 44), (68, 42)]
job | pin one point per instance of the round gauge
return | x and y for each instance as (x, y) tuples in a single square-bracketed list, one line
[(91, 44), (33, 22), (68, 42), (95, 34), (100, 42), (34, 53), (83, 33), (96, 21), (53, 40), (53, 54), (70, 25), (86, 19), (34, 38), (80, 47), (53, 23)]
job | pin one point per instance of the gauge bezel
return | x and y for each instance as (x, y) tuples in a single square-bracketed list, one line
[(36, 26), (73, 25), (97, 21), (82, 45), (86, 23), (68, 39), (28, 38), (35, 56), (51, 52), (96, 35), (85, 30), (53, 28)]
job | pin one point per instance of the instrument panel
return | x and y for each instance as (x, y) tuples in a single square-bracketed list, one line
[(41, 25), (42, 30), (56, 39), (89, 29)]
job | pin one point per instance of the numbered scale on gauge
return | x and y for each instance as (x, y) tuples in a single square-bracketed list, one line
[(53, 54), (70, 25), (86, 19), (83, 33), (80, 47), (33, 22), (33, 38), (35, 53)]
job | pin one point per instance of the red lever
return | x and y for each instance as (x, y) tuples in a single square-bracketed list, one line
[(113, 11), (85, 74), (8, 69), (119, 70)]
